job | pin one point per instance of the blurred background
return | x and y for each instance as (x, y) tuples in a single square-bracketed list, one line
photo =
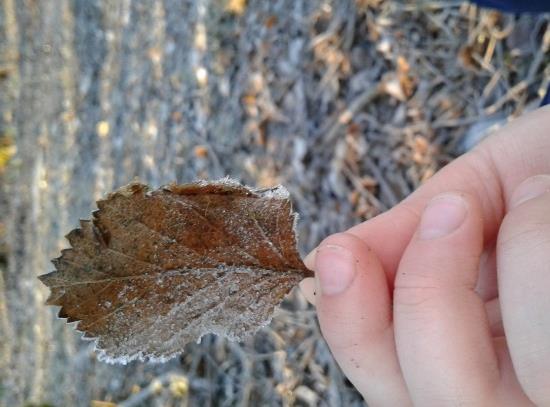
[(350, 104)]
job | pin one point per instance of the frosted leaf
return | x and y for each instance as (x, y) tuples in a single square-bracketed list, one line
[(155, 270)]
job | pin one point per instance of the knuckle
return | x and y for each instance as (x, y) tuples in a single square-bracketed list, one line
[(439, 270), (419, 272), (416, 303)]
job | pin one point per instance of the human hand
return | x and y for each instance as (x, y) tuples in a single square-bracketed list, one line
[(445, 299)]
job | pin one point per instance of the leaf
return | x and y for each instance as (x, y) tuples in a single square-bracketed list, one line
[(154, 270)]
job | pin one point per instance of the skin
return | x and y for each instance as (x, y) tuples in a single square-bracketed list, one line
[(461, 318)]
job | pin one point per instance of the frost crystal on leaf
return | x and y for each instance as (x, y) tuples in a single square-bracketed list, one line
[(155, 270)]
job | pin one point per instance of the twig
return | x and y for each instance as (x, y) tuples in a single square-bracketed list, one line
[(385, 189), (345, 117), (512, 93), (539, 57), (362, 191), (462, 121), (431, 5)]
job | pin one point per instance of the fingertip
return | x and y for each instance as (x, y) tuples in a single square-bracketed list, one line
[(307, 287), (335, 269), (443, 215), (446, 249), (529, 189), (450, 223), (350, 282)]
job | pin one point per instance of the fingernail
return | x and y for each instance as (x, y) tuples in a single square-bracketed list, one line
[(443, 215), (309, 260), (335, 269), (529, 189)]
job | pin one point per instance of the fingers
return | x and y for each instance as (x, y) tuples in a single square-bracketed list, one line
[(442, 332), (490, 173), (354, 310), (492, 307), (523, 260)]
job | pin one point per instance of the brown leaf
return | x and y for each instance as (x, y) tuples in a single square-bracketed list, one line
[(154, 270)]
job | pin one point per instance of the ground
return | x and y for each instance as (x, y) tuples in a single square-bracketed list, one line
[(350, 104)]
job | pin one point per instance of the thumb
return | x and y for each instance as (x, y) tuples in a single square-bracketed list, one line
[(354, 310), (523, 258)]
